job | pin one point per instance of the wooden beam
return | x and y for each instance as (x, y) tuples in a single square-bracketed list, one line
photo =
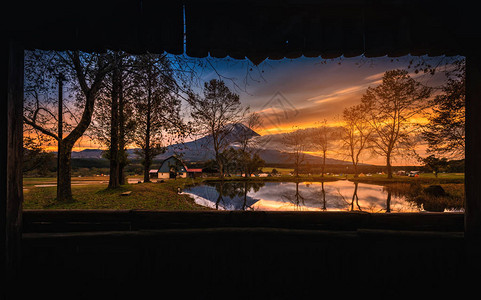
[(11, 99), (473, 146)]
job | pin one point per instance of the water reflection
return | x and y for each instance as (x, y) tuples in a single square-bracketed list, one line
[(339, 195), (294, 197), (227, 195), (355, 197), (388, 201)]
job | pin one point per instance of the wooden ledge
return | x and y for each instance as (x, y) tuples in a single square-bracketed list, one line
[(134, 220)]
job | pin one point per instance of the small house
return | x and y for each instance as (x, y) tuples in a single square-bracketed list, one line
[(194, 173), (153, 173), (172, 167)]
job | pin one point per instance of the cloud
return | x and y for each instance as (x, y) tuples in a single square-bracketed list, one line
[(338, 94), (375, 77)]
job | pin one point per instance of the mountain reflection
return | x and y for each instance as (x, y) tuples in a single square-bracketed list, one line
[(227, 195), (339, 195)]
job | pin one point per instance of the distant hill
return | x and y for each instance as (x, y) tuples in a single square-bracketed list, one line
[(271, 149), (88, 153)]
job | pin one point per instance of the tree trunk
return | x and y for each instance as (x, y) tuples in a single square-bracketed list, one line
[(122, 153), (114, 130), (297, 164), (64, 188), (323, 164), (388, 165), (221, 168), (147, 163), (356, 175), (60, 127), (147, 150)]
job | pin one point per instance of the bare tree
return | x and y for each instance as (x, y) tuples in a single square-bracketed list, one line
[(296, 144), (389, 108), (356, 134), (216, 113), (321, 138)]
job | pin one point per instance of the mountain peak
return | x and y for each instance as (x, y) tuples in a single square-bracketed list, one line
[(237, 129)]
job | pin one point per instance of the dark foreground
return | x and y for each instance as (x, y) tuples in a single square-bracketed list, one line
[(245, 255)]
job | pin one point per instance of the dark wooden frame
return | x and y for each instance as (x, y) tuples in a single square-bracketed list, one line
[(473, 145), (11, 99), (11, 185)]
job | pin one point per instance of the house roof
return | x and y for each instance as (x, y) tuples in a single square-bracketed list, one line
[(194, 170), (169, 158), (254, 29)]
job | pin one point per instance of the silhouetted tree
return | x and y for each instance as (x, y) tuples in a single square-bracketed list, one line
[(157, 108), (86, 72), (215, 113), (389, 108), (296, 144), (356, 134), (434, 163), (113, 121), (321, 137), (445, 132)]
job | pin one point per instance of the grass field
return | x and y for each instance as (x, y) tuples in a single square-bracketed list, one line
[(151, 196), (282, 171), (426, 178)]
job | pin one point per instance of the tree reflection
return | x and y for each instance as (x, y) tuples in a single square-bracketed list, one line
[(235, 192), (323, 193), (355, 197), (220, 190), (388, 201), (294, 197)]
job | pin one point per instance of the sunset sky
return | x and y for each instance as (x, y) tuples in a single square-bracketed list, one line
[(311, 89), (300, 92)]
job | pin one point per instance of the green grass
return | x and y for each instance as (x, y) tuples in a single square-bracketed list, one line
[(144, 196), (424, 178), (282, 171)]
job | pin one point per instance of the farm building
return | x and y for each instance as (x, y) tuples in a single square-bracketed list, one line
[(194, 173), (153, 173), (173, 167)]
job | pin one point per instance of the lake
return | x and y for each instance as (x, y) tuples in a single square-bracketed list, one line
[(341, 195)]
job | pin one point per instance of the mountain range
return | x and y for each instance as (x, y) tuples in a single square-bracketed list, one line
[(270, 148)]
